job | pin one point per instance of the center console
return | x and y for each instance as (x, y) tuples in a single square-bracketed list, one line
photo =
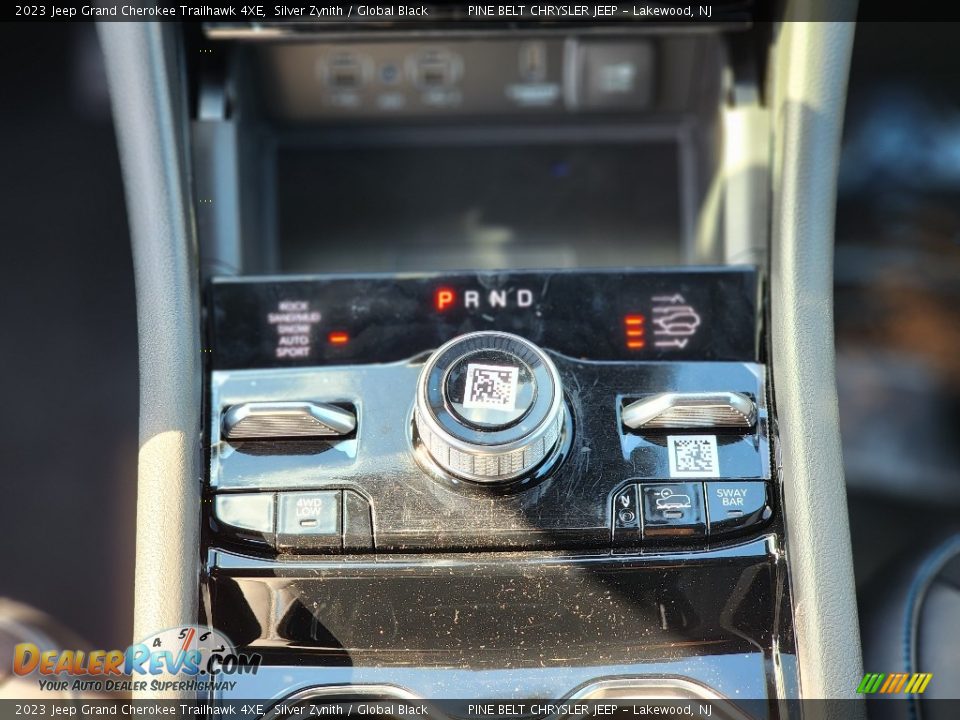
[(415, 482), (495, 474)]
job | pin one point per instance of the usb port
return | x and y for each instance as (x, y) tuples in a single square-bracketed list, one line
[(345, 78), (433, 75)]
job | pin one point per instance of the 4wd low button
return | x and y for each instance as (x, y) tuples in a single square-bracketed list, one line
[(672, 510), (734, 506), (309, 521)]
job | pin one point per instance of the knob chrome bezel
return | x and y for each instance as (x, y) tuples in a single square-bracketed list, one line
[(514, 450)]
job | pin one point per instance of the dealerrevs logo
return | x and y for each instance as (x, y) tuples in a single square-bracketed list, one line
[(195, 653)]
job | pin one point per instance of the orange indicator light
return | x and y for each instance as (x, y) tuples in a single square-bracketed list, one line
[(338, 338), (634, 330), (444, 298)]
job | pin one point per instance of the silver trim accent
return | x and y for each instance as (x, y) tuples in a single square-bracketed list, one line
[(620, 688), (659, 688), (356, 693), (286, 419), (300, 32), (488, 463), (690, 410)]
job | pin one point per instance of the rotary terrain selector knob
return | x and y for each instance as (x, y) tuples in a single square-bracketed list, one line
[(489, 406)]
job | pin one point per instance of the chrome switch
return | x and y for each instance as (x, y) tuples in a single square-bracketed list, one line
[(690, 410), (288, 419)]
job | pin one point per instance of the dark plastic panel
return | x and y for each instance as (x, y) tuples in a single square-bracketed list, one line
[(708, 314)]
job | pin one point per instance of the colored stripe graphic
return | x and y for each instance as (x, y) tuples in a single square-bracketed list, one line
[(890, 681), (901, 680), (870, 683), (894, 683)]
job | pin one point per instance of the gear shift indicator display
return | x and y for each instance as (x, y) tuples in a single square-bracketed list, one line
[(706, 314)]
